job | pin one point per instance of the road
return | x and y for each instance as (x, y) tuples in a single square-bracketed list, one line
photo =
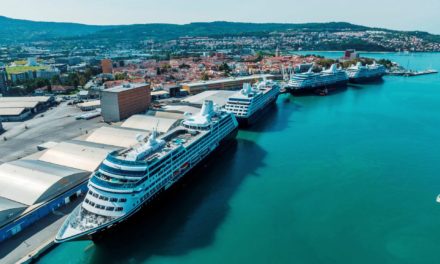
[(56, 124)]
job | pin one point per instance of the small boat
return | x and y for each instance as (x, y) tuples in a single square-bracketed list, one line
[(438, 198)]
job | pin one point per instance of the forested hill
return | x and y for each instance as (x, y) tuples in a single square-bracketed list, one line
[(16, 30)]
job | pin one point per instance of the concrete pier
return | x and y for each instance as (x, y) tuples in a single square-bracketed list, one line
[(36, 239)]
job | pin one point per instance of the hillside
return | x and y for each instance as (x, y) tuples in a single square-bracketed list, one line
[(172, 31), (17, 30)]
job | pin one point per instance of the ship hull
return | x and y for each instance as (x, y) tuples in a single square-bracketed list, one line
[(99, 233), (317, 89), (245, 122), (366, 79)]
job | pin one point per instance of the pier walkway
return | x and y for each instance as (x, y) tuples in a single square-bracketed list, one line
[(32, 241)]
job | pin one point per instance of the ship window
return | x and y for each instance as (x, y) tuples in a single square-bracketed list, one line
[(90, 192), (87, 201), (113, 199), (122, 200), (95, 195), (92, 203), (110, 208), (119, 209)]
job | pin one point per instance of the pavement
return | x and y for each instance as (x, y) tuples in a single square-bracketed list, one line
[(29, 241), (57, 124)]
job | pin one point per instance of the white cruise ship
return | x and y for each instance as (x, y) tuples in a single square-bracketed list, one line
[(358, 73), (251, 102), (130, 178), (312, 82)]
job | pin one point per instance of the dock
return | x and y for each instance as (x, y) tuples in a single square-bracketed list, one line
[(410, 73), (29, 244)]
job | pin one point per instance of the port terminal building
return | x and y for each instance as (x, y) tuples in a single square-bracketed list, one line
[(234, 83)]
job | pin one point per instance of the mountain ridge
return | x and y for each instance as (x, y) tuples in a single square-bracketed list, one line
[(20, 30)]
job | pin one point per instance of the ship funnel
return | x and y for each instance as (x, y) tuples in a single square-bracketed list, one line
[(207, 108), (247, 89), (152, 139), (333, 68)]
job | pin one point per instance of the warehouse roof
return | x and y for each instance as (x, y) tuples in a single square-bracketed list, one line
[(116, 136), (8, 104), (181, 109), (77, 154), (11, 111), (40, 99), (149, 123), (165, 114), (218, 97), (31, 182), (9, 210)]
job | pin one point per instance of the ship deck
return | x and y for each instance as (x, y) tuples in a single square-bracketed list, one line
[(177, 137)]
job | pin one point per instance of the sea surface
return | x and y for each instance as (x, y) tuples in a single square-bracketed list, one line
[(347, 178)]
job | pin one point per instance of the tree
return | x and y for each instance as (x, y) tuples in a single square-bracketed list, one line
[(121, 76), (205, 76), (55, 80), (225, 68), (326, 63), (184, 66)]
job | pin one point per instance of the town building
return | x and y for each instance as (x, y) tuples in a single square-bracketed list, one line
[(107, 66), (123, 101), (159, 94), (47, 73), (173, 90), (3, 80), (89, 105), (54, 89), (350, 54), (22, 76)]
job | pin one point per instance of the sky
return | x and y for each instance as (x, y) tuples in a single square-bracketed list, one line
[(393, 14)]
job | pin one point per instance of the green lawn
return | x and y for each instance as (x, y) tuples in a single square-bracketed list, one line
[(18, 69)]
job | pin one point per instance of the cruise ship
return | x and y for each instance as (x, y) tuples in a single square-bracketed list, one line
[(360, 74), (252, 101), (130, 178), (313, 82)]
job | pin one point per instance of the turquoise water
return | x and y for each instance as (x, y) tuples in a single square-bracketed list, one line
[(347, 178)]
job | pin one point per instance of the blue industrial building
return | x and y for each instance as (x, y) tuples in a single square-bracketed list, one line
[(31, 189)]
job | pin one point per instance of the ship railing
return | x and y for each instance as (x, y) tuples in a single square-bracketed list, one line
[(95, 180), (115, 160), (121, 172), (83, 220)]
